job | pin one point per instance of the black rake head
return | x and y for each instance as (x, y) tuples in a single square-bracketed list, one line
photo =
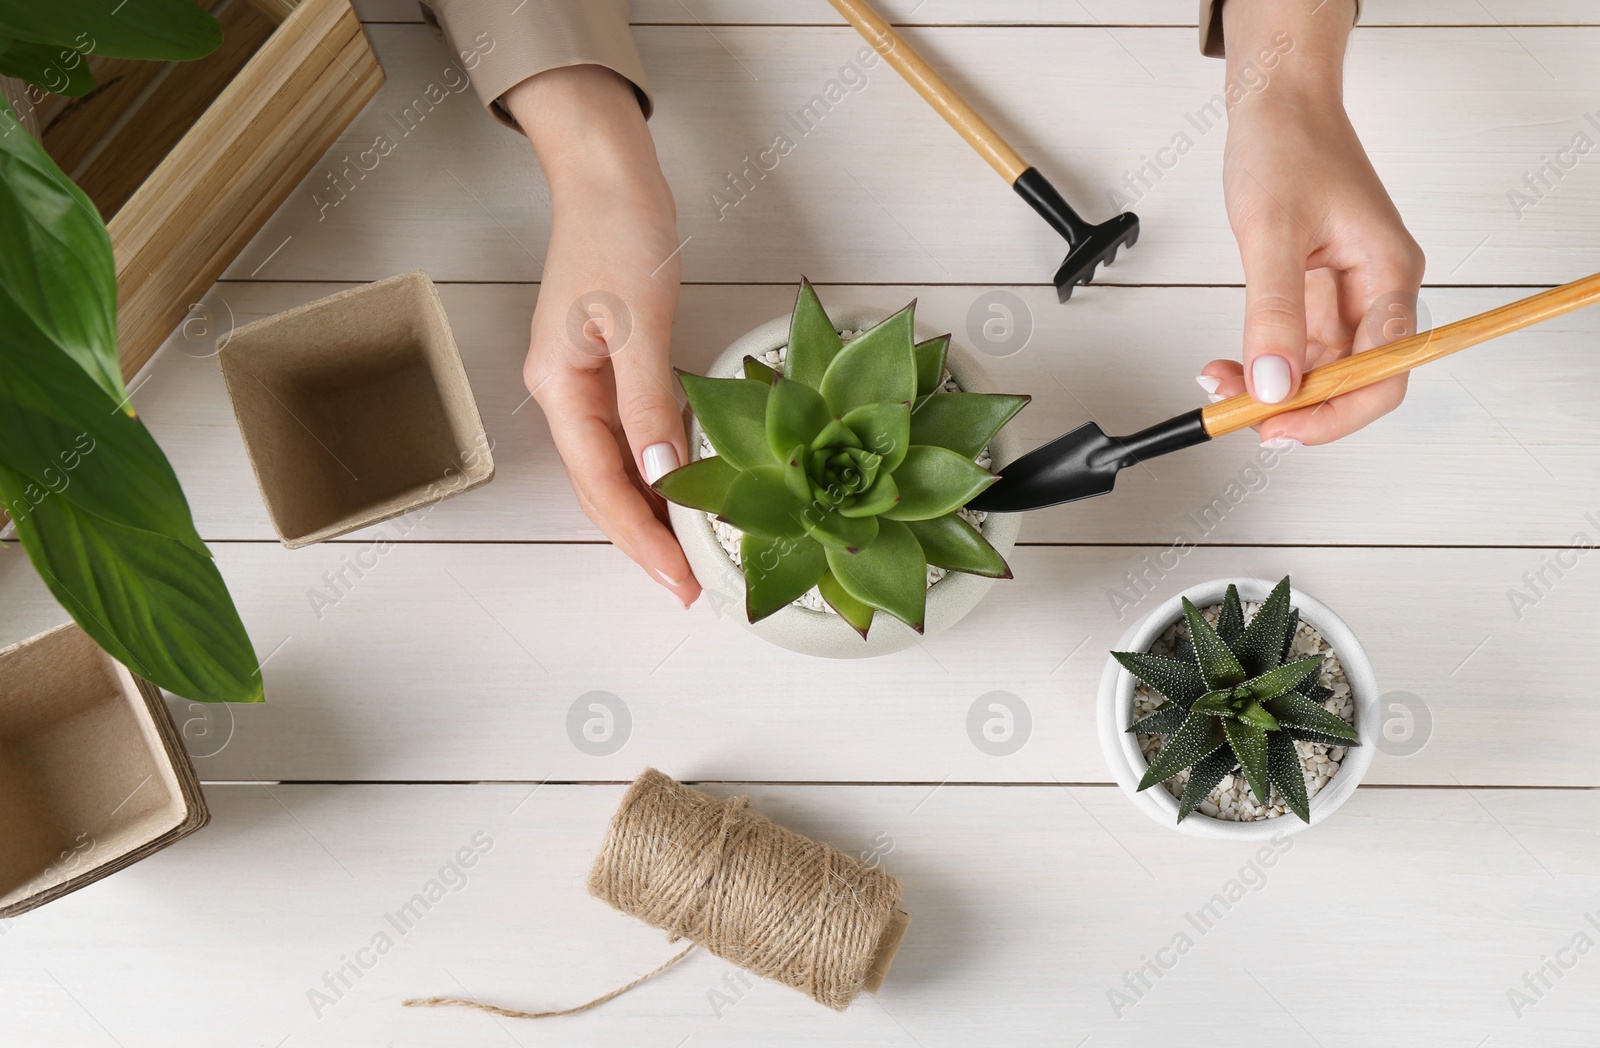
[(1098, 247)]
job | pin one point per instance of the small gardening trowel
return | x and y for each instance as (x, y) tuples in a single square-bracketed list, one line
[(1085, 462), (1088, 245)]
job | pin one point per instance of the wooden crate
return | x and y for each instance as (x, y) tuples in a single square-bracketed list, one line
[(187, 160)]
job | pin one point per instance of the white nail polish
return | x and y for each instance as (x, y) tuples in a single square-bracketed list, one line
[(659, 460), (1270, 376), (1280, 443), (664, 577), (1210, 385)]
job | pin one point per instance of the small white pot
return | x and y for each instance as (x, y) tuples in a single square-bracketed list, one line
[(1127, 763), (823, 633)]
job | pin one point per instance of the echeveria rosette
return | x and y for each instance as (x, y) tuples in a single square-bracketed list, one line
[(846, 470), (1232, 703)]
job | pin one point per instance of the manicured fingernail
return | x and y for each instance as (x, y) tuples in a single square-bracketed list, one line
[(1208, 384), (659, 460), (1280, 443), (1270, 376), (668, 579), (1214, 397)]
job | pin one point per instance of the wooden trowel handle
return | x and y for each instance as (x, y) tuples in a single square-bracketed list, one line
[(932, 87), (1375, 365)]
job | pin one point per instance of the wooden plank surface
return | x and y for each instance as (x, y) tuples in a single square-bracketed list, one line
[(465, 661), (1123, 357), (882, 191), (1404, 921)]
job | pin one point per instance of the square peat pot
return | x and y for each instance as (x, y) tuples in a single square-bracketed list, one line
[(92, 770), (355, 409)]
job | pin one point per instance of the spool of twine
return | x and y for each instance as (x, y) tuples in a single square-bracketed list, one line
[(745, 889)]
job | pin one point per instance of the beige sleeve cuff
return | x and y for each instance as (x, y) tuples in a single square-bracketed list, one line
[(1211, 27), (500, 44)]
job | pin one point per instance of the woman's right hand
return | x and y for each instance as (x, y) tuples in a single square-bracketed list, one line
[(598, 357)]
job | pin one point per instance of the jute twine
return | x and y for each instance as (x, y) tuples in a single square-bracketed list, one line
[(742, 887)]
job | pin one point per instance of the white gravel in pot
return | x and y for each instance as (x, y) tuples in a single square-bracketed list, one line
[(1232, 800)]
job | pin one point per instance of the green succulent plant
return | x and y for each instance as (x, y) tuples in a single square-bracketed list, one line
[(1232, 702), (845, 470)]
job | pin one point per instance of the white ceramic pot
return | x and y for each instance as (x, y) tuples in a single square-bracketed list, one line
[(825, 634), (1121, 748)]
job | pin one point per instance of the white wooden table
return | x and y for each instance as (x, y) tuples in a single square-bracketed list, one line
[(429, 707)]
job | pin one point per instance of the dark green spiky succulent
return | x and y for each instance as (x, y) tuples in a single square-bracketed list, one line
[(1232, 703), (846, 470)]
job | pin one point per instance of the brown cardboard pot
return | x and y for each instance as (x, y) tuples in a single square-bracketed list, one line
[(355, 408), (93, 774)]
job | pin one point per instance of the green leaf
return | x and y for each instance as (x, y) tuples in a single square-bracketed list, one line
[(1288, 634), (890, 575), (837, 531), (733, 413), (58, 283), (155, 604), (1260, 648), (794, 475), (1296, 711), (930, 356), (884, 428), (1285, 772), (951, 543), (160, 30), (836, 435), (1163, 720), (1230, 621), (855, 612), (702, 484), (1219, 703), (1249, 742), (1177, 680), (874, 366), (1253, 713), (60, 70), (777, 572), (936, 481), (882, 494), (1204, 778), (1275, 682), (1217, 664), (758, 503), (963, 422), (813, 340), (796, 413), (1197, 738), (758, 371)]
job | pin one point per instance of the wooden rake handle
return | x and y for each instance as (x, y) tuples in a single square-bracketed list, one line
[(932, 87), (1396, 358)]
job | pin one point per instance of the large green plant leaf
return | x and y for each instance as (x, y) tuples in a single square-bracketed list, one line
[(702, 484), (1197, 738), (57, 278), (758, 502), (155, 29), (1178, 679), (733, 413), (963, 422), (1276, 681), (1204, 778), (1285, 772), (777, 572), (930, 363), (796, 413), (1249, 742), (838, 531), (890, 574), (857, 613), (950, 542), (60, 70), (1218, 665), (1260, 647), (156, 605), (1296, 711), (875, 366), (935, 481), (813, 340)]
